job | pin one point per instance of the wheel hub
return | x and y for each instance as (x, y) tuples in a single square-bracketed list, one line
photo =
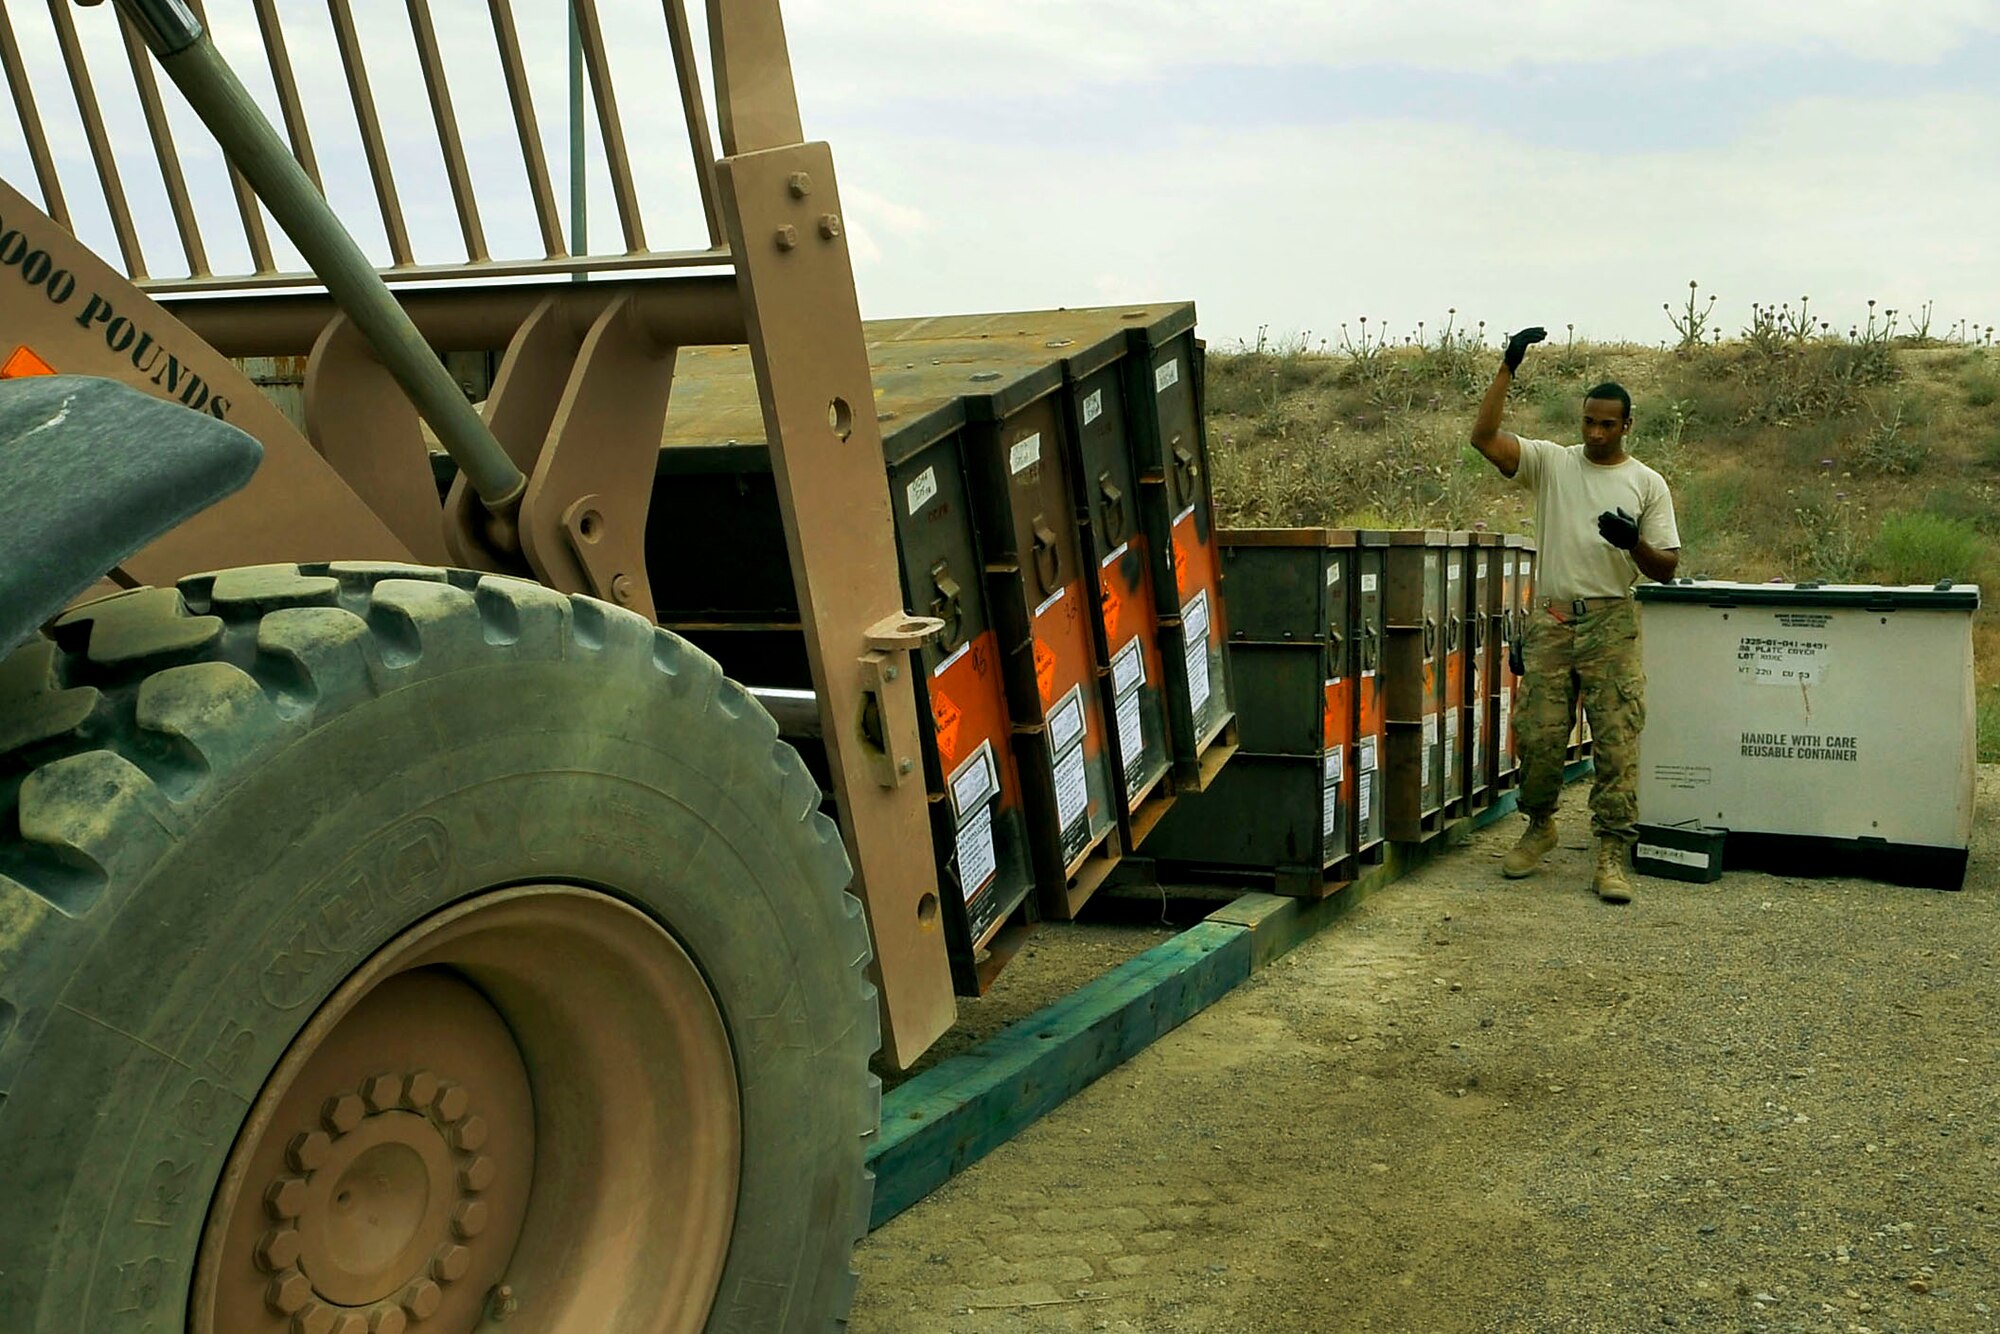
[(396, 1195), (381, 1181)]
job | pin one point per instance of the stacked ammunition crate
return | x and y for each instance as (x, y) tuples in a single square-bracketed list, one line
[(1301, 799), (1050, 479)]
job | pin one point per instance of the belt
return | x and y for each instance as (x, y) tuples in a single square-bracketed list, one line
[(1580, 606)]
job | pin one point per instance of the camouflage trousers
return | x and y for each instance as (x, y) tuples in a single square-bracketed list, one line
[(1593, 660)]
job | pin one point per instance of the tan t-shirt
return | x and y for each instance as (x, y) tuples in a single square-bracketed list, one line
[(1573, 560)]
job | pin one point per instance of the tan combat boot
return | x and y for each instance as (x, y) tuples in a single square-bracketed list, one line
[(1538, 840), (1611, 884)]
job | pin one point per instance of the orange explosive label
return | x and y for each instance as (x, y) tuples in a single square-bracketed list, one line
[(1045, 671), (947, 716), (1113, 604), (24, 363)]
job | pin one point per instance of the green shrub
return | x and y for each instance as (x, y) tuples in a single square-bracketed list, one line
[(1982, 386), (1922, 548), (1892, 447), (1827, 542)]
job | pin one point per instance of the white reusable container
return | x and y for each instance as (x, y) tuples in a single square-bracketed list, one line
[(1829, 728)]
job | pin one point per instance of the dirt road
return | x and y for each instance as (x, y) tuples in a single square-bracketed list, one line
[(1483, 1105)]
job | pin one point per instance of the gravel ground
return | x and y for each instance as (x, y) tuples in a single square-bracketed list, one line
[(1765, 1104)]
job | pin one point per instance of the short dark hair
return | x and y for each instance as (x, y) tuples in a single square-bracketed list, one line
[(1612, 389)]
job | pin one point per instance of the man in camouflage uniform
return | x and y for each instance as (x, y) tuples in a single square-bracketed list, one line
[(1602, 519)]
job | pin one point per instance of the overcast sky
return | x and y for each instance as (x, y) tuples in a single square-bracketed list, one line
[(1286, 164)]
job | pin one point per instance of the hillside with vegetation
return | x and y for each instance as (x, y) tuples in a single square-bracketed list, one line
[(1796, 448)]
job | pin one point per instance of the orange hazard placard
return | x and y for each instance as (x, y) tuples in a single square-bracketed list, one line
[(24, 363), (947, 716), (1045, 671), (1112, 605)]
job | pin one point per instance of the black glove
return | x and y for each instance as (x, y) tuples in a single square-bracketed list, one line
[(1517, 346), (1621, 530)]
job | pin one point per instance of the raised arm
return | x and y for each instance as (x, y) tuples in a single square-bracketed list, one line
[(1503, 448)]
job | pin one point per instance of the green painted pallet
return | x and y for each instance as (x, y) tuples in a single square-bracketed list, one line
[(960, 1110)]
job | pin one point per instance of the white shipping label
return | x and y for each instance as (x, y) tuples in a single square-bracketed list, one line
[(1116, 552), (1509, 566), (1194, 620), (1128, 667), (1167, 376), (1066, 723), (1430, 747), (1072, 793), (1333, 574), (1776, 661), (1452, 572), (1364, 797), (1195, 616), (1329, 793), (1025, 453), (976, 781), (1364, 755), (1131, 741), (1506, 722), (977, 862), (1451, 727), (1368, 583), (922, 489), (1093, 407), (1197, 669), (1678, 856)]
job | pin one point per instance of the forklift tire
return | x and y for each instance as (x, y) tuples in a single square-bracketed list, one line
[(396, 949)]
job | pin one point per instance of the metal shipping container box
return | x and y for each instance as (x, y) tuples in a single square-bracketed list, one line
[(1371, 714), (1022, 504), (1457, 670), (1414, 611), (1164, 382), (1119, 582), (1290, 801), (1827, 729), (1482, 587)]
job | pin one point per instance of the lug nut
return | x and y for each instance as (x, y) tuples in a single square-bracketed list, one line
[(451, 1102), (423, 1086), (285, 1198), (342, 1113), (829, 225), (450, 1263), (469, 1219), (800, 184), (422, 1299), (313, 1318), (278, 1250), (469, 1135), (383, 1093), (388, 1320), (788, 237), (289, 1292), (351, 1322), (477, 1175), (308, 1150)]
